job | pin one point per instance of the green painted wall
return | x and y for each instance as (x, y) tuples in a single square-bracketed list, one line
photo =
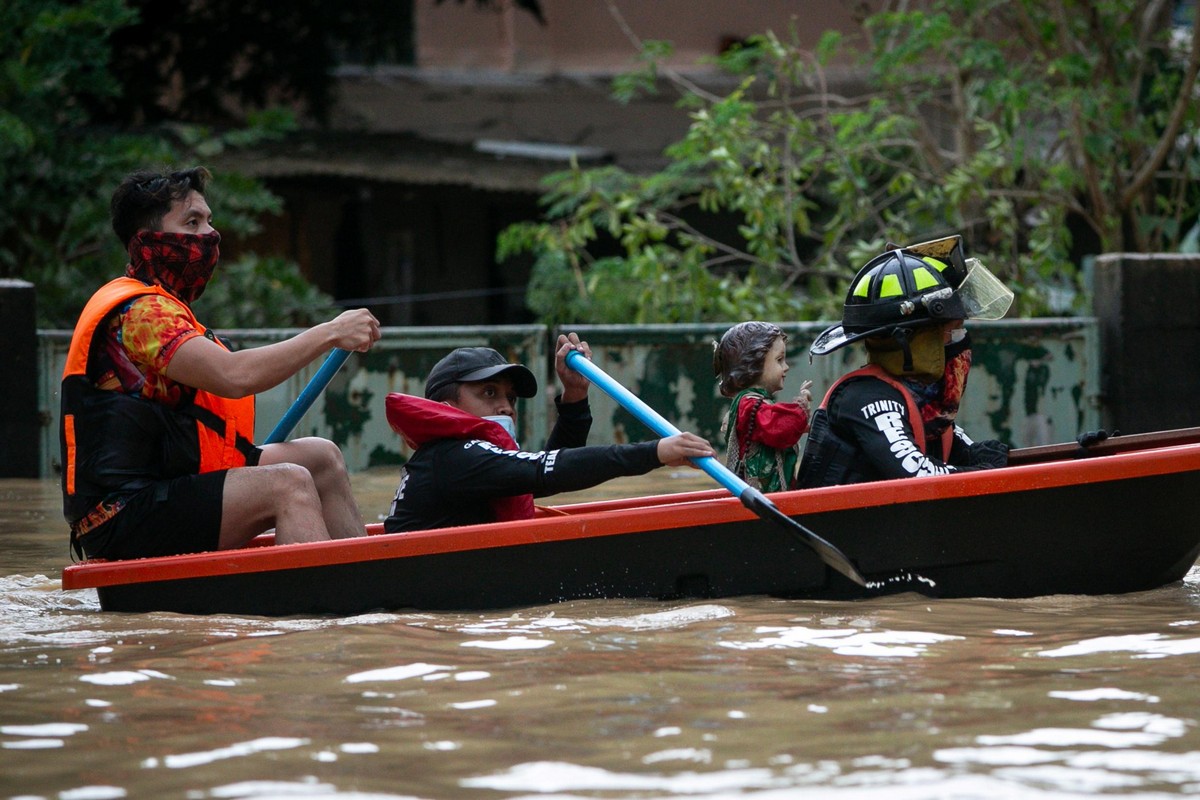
[(1034, 381)]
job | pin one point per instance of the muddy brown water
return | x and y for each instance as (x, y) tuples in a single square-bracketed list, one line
[(899, 697)]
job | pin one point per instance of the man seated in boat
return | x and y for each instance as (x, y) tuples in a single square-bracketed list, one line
[(467, 468), (895, 417), (158, 415)]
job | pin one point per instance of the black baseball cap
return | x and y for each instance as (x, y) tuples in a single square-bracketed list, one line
[(467, 364)]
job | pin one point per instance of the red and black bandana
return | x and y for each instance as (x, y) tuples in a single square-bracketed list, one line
[(939, 400), (181, 263)]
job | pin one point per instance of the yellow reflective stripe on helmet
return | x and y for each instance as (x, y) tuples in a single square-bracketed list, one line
[(890, 286), (923, 278), (863, 287), (940, 266)]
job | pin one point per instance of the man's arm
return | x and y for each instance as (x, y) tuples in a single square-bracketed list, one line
[(203, 364), (571, 425), (481, 469), (987, 454)]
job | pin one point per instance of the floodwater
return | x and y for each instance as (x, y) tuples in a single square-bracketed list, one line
[(895, 698)]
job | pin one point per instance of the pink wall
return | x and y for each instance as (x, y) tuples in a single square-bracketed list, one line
[(583, 36)]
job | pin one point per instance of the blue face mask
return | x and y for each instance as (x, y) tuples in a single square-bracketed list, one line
[(506, 422)]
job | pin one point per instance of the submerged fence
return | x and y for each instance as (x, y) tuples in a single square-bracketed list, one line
[(1033, 381)]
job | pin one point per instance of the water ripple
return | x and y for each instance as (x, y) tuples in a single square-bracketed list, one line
[(845, 641), (1145, 645)]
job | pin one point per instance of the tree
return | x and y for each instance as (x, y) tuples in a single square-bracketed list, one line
[(51, 169), (1042, 131), (59, 168)]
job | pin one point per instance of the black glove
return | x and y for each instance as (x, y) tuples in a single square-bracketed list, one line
[(1089, 438), (988, 454)]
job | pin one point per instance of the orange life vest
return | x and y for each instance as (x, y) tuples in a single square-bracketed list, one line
[(112, 442)]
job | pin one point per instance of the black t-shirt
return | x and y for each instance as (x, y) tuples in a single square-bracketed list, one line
[(453, 481)]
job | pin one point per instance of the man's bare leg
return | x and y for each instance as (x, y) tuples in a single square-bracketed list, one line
[(323, 460), (282, 496)]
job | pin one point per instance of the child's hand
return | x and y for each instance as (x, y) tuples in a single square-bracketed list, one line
[(804, 399)]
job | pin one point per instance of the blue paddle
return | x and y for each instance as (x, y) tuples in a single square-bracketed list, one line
[(751, 498), (333, 362)]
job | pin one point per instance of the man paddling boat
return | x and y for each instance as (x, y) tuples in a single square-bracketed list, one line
[(158, 415), (466, 466)]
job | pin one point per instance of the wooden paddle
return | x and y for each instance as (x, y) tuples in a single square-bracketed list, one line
[(751, 498), (1106, 447), (333, 362)]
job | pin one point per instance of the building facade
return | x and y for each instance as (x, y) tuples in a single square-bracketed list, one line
[(396, 205)]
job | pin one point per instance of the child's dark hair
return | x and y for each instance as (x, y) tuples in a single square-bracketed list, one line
[(145, 196), (738, 357)]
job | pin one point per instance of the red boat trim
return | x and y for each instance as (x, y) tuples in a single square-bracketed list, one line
[(611, 518), (1122, 466)]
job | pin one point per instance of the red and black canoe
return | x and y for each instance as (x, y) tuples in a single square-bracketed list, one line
[(1117, 517)]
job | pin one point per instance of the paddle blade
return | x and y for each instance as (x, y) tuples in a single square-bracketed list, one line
[(758, 503)]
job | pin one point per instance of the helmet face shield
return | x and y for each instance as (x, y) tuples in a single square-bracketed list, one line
[(983, 295)]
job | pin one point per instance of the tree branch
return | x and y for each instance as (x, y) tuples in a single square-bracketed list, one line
[(1184, 104), (667, 70)]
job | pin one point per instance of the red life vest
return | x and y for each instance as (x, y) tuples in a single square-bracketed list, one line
[(115, 442), (419, 421)]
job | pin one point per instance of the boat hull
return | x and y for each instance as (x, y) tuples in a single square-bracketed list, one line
[(1110, 525)]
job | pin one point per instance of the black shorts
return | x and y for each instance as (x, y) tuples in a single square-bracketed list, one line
[(182, 515)]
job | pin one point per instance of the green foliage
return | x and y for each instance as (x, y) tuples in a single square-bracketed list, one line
[(54, 173), (59, 168), (1020, 124)]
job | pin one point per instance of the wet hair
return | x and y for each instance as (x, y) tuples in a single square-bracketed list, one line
[(144, 197), (738, 358)]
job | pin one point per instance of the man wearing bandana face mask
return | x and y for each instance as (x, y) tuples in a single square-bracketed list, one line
[(158, 416), (896, 416)]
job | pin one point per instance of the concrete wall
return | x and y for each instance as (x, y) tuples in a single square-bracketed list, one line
[(18, 400), (1034, 381), (1149, 307)]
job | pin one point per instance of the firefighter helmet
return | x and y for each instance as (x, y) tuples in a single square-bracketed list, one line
[(906, 288)]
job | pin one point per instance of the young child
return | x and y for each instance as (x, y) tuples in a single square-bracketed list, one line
[(762, 437)]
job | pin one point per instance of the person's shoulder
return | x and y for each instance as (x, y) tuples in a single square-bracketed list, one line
[(859, 388), (754, 394), (157, 306), (468, 447)]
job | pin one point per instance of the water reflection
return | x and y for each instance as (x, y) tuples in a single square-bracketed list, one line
[(892, 698)]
